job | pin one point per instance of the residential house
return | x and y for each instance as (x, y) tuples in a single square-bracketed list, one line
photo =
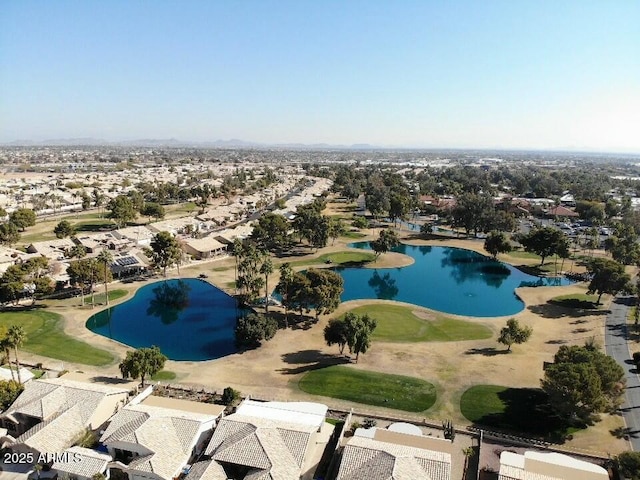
[(398, 455), (547, 466), (25, 374), (155, 438), (266, 440), (50, 414), (201, 248), (81, 463)]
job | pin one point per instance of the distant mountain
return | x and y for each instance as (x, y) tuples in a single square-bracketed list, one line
[(175, 143)]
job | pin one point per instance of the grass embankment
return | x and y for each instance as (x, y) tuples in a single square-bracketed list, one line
[(337, 258), (371, 388), (399, 324), (164, 375), (576, 300), (99, 298), (45, 336), (521, 410), (353, 235)]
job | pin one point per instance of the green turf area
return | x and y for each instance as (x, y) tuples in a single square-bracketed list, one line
[(164, 375), (100, 297), (576, 300), (398, 324), (371, 388), (353, 235), (338, 258), (45, 336), (523, 254), (522, 410), (180, 209), (96, 225)]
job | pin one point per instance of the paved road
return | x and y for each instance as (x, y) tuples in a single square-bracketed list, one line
[(616, 344)]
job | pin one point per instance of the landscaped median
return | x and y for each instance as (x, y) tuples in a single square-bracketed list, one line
[(371, 388), (397, 323), (46, 337)]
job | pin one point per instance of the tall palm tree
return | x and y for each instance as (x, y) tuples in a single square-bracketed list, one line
[(16, 337), (5, 346), (266, 269), (105, 259), (237, 251), (286, 277)]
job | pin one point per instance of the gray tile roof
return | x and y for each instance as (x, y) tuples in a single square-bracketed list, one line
[(275, 450), (82, 462), (169, 434), (206, 470), (368, 459), (64, 407)]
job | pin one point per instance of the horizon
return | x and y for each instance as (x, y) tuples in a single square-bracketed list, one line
[(405, 75)]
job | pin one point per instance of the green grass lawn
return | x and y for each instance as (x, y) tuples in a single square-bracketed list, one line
[(371, 388), (180, 209), (100, 297), (522, 410), (45, 336), (523, 254), (353, 235), (576, 300), (398, 324), (164, 375), (338, 258)]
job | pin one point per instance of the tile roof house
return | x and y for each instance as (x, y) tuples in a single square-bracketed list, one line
[(263, 441), (377, 454), (50, 414), (547, 466), (81, 463), (158, 437)]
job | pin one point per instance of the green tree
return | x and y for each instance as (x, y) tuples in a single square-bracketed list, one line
[(105, 259), (608, 276), (544, 241), (583, 381), (230, 396), (64, 229), (335, 333), (272, 232), (152, 209), (254, 328), (9, 233), (23, 218), (164, 251), (473, 212), (359, 330), (9, 391), (387, 240), (514, 333), (143, 363), (497, 242), (326, 288), (399, 206), (85, 273), (629, 464), (77, 251), (336, 228), (360, 222), (122, 210), (16, 336), (266, 269), (249, 280), (283, 288)]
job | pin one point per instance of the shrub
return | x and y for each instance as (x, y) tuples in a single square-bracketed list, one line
[(230, 396)]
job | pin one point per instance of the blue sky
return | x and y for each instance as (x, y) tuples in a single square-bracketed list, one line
[(506, 74)]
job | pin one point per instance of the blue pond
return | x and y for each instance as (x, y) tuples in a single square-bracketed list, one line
[(188, 319), (446, 279)]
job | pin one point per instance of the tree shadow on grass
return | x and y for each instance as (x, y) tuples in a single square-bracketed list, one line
[(553, 309), (527, 411), (310, 360), (487, 351)]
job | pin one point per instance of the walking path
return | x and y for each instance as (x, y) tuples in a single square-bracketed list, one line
[(615, 340)]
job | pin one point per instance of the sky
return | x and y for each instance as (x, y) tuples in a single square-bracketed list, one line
[(544, 74)]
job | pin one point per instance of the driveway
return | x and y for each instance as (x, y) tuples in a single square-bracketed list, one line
[(615, 340)]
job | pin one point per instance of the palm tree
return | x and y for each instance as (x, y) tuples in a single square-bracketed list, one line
[(266, 269), (16, 336), (286, 277), (106, 259), (5, 346), (237, 251)]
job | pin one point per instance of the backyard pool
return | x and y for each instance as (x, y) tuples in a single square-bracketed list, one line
[(187, 319), (447, 279)]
